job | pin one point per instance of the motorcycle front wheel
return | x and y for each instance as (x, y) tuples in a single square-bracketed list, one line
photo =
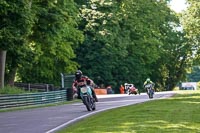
[(87, 104), (150, 94)]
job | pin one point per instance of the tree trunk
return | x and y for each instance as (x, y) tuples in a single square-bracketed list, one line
[(11, 77), (2, 67)]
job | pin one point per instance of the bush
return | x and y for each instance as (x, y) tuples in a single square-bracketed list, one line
[(11, 90)]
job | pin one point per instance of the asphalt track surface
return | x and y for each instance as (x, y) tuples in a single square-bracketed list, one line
[(52, 119)]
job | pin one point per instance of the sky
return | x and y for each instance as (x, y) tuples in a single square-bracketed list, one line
[(178, 5)]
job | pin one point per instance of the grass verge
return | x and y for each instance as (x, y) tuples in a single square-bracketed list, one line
[(11, 90), (179, 114)]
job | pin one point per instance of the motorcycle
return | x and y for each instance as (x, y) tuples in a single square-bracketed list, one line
[(87, 98), (133, 90), (149, 89)]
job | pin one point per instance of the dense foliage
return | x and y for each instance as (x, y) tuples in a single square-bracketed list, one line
[(15, 26), (111, 41), (191, 25), (130, 41)]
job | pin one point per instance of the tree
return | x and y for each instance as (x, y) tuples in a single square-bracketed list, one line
[(174, 61), (2, 67), (123, 40), (52, 40), (16, 21), (190, 20), (97, 55)]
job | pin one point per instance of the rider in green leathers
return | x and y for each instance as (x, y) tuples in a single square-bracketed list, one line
[(148, 81)]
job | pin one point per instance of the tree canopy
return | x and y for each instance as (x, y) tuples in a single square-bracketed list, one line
[(111, 41), (191, 24)]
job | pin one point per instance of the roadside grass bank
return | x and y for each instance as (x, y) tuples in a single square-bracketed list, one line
[(178, 114), (11, 90)]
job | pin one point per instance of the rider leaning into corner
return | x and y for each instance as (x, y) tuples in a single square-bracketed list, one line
[(81, 81), (148, 81)]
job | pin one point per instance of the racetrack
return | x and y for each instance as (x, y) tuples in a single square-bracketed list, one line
[(51, 119)]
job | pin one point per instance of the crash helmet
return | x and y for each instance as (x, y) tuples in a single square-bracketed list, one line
[(148, 80), (78, 74)]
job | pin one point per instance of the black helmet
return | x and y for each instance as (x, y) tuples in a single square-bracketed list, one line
[(78, 74)]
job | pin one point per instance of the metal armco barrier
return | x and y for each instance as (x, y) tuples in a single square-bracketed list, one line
[(37, 87), (9, 101)]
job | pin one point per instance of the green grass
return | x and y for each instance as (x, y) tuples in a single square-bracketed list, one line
[(179, 114), (11, 90)]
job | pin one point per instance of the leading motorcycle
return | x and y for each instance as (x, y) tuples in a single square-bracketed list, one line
[(149, 89), (87, 98)]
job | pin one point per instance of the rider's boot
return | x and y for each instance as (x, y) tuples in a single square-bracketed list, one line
[(96, 99), (94, 95)]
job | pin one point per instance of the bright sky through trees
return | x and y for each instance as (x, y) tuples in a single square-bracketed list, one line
[(178, 5)]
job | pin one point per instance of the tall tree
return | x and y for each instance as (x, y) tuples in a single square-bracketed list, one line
[(16, 21), (127, 47), (191, 25), (2, 67), (53, 37), (97, 54), (123, 39)]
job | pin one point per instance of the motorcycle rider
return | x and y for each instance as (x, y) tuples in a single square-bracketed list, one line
[(148, 81), (81, 81), (128, 87)]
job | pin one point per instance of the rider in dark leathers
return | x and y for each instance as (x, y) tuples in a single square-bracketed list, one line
[(81, 81)]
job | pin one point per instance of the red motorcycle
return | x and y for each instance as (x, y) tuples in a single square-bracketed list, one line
[(133, 90)]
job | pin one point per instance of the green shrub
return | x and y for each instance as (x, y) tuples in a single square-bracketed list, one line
[(11, 90)]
